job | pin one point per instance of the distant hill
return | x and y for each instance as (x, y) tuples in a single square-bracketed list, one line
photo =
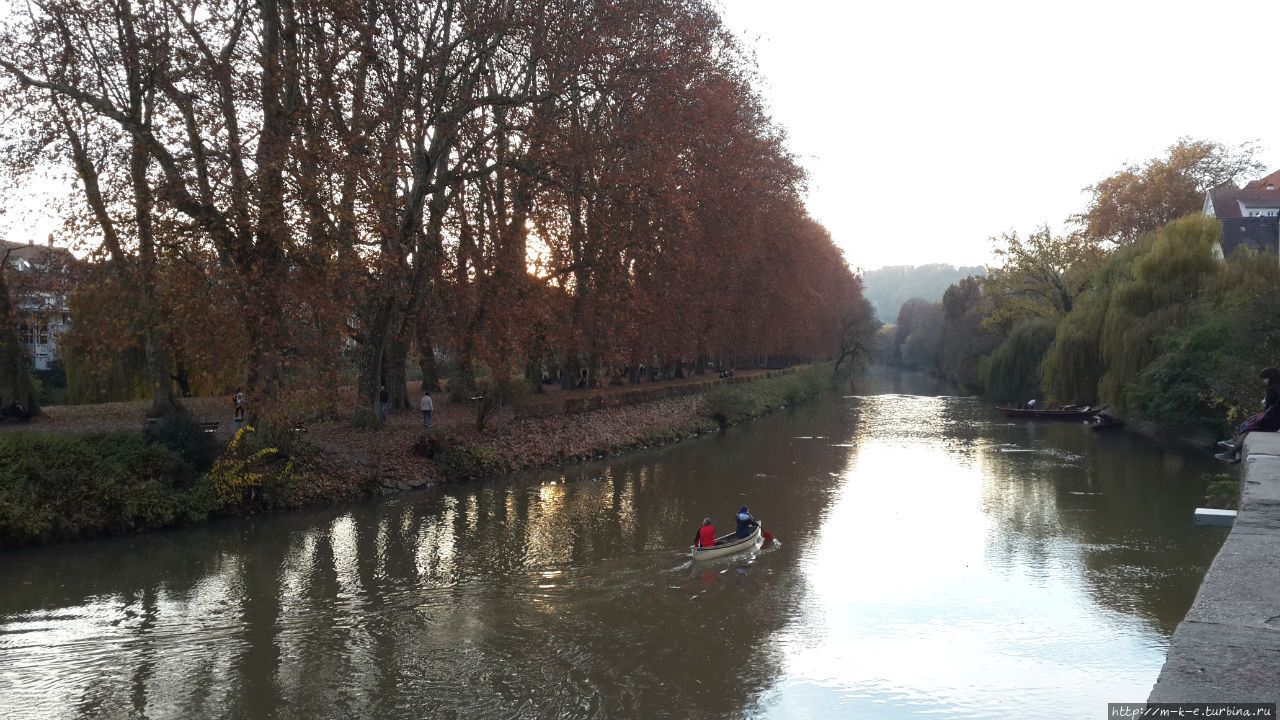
[(888, 288)]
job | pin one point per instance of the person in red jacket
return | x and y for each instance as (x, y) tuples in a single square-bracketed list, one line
[(706, 536)]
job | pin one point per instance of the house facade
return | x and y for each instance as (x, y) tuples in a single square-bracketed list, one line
[(37, 278), (1250, 216), (1260, 198)]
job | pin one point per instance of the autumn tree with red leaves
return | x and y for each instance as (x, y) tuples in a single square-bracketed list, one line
[(518, 186)]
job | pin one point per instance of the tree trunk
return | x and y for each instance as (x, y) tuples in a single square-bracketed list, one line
[(372, 351), (393, 374), (571, 371), (148, 318), (16, 387), (533, 373), (427, 356)]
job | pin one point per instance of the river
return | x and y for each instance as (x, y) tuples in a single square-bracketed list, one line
[(933, 558)]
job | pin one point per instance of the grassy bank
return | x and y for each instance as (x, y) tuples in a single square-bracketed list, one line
[(546, 442), (59, 486)]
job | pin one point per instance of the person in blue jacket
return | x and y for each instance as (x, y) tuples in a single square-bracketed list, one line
[(746, 523)]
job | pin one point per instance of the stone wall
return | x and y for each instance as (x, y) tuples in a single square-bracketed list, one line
[(1228, 647)]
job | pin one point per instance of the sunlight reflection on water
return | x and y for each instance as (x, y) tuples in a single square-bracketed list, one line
[(932, 558)]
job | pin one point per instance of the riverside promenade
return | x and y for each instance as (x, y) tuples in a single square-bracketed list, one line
[(1228, 647)]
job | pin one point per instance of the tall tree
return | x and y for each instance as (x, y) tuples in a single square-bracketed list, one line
[(1040, 275), (1141, 198), (858, 335)]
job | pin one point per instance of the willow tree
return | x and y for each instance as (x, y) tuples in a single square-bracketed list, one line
[(1158, 298), (1205, 378), (1071, 369), (1013, 370)]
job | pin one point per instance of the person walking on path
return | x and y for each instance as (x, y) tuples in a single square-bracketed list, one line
[(1266, 421), (382, 400), (238, 400), (426, 408)]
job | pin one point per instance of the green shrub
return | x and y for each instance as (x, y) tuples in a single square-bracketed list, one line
[(800, 387), (179, 432), (739, 402), (729, 404), (61, 487), (51, 384)]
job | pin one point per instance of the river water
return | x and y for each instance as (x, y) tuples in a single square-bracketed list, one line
[(933, 559)]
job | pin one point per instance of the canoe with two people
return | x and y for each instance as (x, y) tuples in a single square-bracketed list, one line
[(747, 536)]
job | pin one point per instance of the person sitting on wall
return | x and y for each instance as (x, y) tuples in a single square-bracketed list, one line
[(706, 535), (1266, 421)]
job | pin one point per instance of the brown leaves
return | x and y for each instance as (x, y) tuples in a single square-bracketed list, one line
[(1139, 199), (285, 179)]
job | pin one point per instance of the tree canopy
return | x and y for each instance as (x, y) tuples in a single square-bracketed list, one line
[(1141, 198), (282, 188)]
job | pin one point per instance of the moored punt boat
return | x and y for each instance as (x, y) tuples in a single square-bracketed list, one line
[(728, 545), (1069, 412)]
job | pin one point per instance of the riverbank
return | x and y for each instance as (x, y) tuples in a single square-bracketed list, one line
[(344, 458), (1228, 647)]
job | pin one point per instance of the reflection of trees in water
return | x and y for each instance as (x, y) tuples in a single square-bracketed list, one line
[(1124, 502), (567, 599), (1143, 553)]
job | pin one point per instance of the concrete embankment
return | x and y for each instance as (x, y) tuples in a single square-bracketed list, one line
[(1228, 647)]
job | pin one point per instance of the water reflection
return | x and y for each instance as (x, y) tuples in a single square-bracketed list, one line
[(933, 558)]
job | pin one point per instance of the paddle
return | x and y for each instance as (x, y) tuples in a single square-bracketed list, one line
[(767, 537)]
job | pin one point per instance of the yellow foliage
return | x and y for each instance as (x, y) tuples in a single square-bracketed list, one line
[(233, 477)]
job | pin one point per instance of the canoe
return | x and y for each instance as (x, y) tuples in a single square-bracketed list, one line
[(1067, 413), (728, 545)]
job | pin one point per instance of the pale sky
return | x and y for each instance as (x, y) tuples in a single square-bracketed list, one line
[(929, 127)]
